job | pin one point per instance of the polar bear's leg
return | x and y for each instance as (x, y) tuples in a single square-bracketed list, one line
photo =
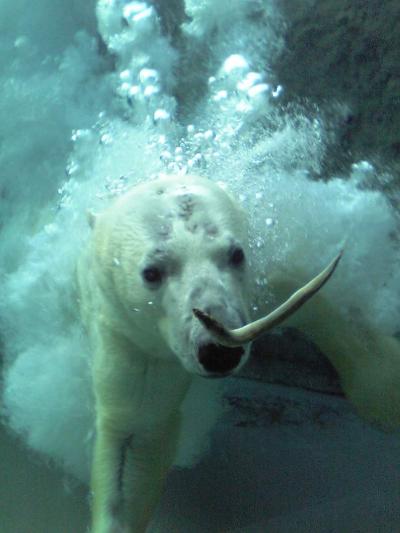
[(128, 477), (147, 463), (368, 362), (105, 484), (137, 422)]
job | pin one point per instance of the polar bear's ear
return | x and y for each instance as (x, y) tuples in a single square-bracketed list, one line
[(91, 218)]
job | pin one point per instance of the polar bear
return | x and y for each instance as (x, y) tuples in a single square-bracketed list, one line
[(164, 295), (160, 250)]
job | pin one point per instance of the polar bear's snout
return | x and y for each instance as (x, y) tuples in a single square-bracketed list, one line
[(214, 359)]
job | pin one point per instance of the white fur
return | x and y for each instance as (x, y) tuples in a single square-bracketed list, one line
[(145, 338)]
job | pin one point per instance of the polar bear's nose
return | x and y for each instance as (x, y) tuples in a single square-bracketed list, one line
[(219, 360)]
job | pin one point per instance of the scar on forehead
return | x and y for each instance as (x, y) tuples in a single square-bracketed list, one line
[(207, 228), (192, 227), (186, 205), (211, 229)]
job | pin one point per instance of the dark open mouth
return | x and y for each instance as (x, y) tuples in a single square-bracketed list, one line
[(219, 360)]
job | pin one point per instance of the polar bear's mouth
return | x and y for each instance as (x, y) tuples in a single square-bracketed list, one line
[(219, 360)]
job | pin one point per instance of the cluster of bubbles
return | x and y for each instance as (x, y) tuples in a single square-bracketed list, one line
[(145, 62), (238, 98), (144, 58), (143, 81), (240, 95)]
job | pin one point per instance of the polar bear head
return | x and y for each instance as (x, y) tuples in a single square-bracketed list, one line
[(164, 248)]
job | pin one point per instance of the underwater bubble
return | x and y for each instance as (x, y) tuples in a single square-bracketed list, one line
[(195, 161), (161, 114), (199, 136), (134, 90), (135, 12), (362, 173), (190, 129), (234, 62), (362, 166), (148, 76), (125, 75), (269, 221), (116, 186), (133, 8), (150, 90), (243, 107), (81, 134), (51, 229), (72, 168), (249, 80), (125, 87), (144, 16), (106, 138), (277, 92), (259, 89), (221, 95)]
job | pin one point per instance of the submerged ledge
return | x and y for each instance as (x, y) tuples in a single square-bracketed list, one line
[(287, 357)]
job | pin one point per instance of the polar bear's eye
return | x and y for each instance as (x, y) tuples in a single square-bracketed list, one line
[(236, 256), (153, 274)]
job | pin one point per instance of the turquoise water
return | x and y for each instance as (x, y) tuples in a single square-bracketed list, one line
[(97, 98)]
